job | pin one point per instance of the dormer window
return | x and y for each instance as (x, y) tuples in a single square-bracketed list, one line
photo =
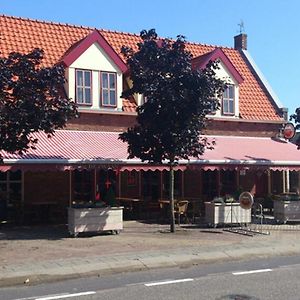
[(228, 100), (108, 83), (83, 87)]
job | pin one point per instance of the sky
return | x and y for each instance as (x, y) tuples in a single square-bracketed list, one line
[(272, 27)]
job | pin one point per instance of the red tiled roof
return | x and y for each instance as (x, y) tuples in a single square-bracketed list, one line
[(88, 147), (22, 35)]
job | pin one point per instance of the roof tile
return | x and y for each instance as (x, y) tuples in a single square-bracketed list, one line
[(22, 35)]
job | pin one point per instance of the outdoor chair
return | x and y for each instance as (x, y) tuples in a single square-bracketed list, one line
[(180, 210)]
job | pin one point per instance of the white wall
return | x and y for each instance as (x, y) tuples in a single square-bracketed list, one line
[(224, 74)]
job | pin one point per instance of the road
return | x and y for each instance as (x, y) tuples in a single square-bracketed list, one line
[(264, 279)]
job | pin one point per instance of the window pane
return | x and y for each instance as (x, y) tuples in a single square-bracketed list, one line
[(225, 93), (17, 175), (104, 80), (112, 97), (225, 106), (3, 192), (79, 79), (3, 176), (87, 78), (15, 192), (231, 92), (231, 109), (112, 81), (79, 95), (105, 97), (87, 95)]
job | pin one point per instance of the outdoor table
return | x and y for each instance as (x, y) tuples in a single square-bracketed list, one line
[(134, 205)]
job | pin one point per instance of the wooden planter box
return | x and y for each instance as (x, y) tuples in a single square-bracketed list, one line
[(95, 219), (285, 210), (219, 213)]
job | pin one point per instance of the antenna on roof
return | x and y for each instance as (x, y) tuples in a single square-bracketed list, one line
[(241, 25)]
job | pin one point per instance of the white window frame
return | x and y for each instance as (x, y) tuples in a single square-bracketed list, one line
[(226, 99), (108, 89), (84, 87)]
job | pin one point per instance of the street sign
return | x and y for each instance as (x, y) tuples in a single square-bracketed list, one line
[(289, 131)]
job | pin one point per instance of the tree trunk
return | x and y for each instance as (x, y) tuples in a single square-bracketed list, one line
[(172, 218)]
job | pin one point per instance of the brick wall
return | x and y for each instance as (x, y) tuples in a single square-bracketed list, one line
[(242, 128), (101, 122), (118, 122)]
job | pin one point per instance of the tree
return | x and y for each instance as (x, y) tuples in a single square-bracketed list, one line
[(32, 99), (177, 100), (296, 118)]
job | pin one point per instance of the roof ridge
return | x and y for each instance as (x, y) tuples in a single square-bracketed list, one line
[(210, 45), (117, 31), (45, 22), (67, 25), (105, 30)]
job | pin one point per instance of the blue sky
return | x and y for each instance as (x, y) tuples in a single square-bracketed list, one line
[(272, 27)]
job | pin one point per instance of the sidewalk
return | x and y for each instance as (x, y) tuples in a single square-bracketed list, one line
[(39, 254)]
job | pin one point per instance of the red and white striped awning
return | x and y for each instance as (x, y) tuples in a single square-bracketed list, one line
[(88, 149)]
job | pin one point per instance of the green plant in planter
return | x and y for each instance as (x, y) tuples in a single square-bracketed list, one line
[(218, 200)]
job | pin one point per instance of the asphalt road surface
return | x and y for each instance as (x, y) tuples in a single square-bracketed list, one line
[(264, 279)]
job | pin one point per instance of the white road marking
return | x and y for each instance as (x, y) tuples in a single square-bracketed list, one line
[(63, 296), (27, 298), (168, 282), (252, 272)]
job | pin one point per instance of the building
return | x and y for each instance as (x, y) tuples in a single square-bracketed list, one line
[(84, 161)]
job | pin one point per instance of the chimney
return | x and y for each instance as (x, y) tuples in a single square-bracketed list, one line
[(240, 41)]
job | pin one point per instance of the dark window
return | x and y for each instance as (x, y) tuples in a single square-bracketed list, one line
[(83, 186)]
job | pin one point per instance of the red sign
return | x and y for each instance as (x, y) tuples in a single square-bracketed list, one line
[(289, 131)]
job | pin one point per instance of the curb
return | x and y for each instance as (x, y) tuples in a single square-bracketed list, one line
[(99, 266)]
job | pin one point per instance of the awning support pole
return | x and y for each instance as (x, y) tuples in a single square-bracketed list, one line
[(218, 182), (70, 188), (269, 182), (182, 183), (140, 183), (95, 183), (161, 184), (120, 183), (287, 181)]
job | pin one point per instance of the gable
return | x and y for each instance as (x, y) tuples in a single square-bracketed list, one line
[(90, 43), (95, 58)]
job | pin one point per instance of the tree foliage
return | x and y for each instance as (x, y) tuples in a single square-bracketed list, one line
[(178, 98), (31, 99), (296, 118)]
